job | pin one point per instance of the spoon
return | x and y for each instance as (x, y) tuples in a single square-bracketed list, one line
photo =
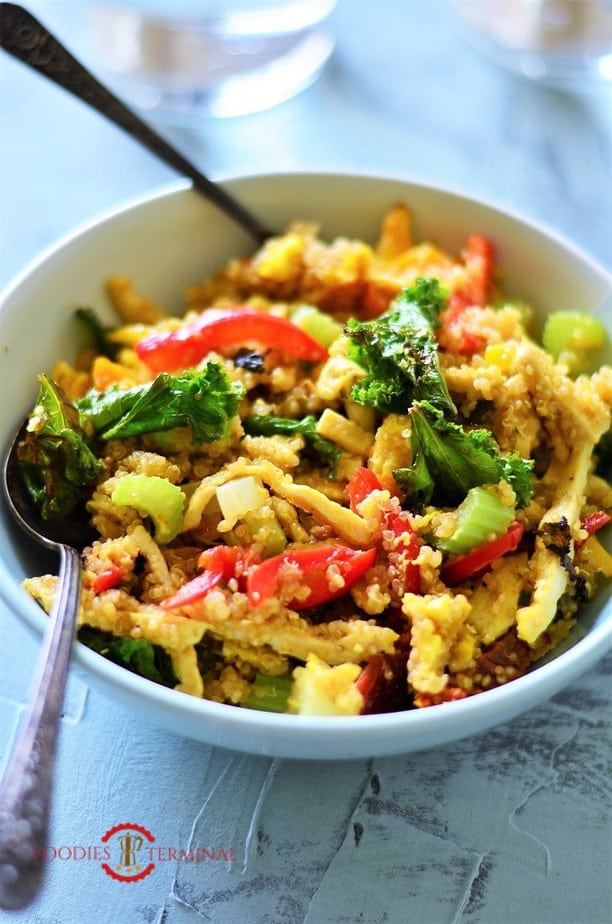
[(24, 37), (25, 789), (26, 786)]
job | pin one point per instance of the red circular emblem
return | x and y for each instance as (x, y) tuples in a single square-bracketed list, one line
[(127, 846)]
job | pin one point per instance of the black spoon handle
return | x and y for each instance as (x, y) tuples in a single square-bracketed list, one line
[(29, 41), (26, 789)]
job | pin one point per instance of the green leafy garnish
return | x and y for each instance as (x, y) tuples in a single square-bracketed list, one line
[(399, 352), (136, 654), (98, 334), (56, 457), (204, 400), (55, 460), (327, 452), (448, 460)]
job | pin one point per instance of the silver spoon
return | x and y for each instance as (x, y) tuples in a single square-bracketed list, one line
[(25, 789), (28, 40), (26, 786)]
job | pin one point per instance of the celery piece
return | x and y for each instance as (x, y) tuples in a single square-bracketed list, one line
[(319, 325), (270, 694), (156, 497), (481, 517), (265, 529), (572, 338)]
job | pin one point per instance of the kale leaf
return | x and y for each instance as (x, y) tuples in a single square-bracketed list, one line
[(136, 654), (55, 460), (326, 451), (98, 334), (448, 460), (204, 400), (56, 457), (399, 352)]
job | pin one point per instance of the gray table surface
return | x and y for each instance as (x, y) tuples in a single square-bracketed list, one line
[(510, 827)]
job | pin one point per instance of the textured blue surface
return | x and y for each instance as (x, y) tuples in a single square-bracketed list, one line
[(511, 827)]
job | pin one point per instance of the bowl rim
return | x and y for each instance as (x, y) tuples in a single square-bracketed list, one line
[(542, 682)]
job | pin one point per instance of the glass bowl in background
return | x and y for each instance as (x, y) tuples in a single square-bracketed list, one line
[(177, 60), (211, 57), (564, 43)]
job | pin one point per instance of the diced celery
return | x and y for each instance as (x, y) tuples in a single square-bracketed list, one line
[(481, 517), (319, 325), (266, 530), (155, 497), (240, 496), (269, 694), (573, 339)]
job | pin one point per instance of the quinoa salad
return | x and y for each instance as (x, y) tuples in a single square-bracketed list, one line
[(352, 478)]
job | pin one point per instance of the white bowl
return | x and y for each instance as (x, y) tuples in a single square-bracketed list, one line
[(172, 238)]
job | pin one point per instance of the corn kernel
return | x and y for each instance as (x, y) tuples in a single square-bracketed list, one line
[(501, 355)]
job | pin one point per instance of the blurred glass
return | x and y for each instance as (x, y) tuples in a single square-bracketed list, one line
[(178, 59), (559, 42)]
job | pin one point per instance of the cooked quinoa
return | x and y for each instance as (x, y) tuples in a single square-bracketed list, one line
[(338, 580)]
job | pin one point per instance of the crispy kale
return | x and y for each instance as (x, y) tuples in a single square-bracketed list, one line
[(55, 460), (399, 352), (97, 333), (206, 401), (326, 451), (138, 655), (448, 460)]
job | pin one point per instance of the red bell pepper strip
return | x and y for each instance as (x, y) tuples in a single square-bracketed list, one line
[(265, 581), (476, 290), (405, 542), (110, 577), (404, 552), (361, 483), (454, 337), (595, 521), (383, 683), (193, 590), (220, 564), (479, 559), (478, 259), (218, 328)]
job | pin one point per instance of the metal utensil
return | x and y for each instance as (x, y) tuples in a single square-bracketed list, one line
[(28, 40), (26, 786)]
